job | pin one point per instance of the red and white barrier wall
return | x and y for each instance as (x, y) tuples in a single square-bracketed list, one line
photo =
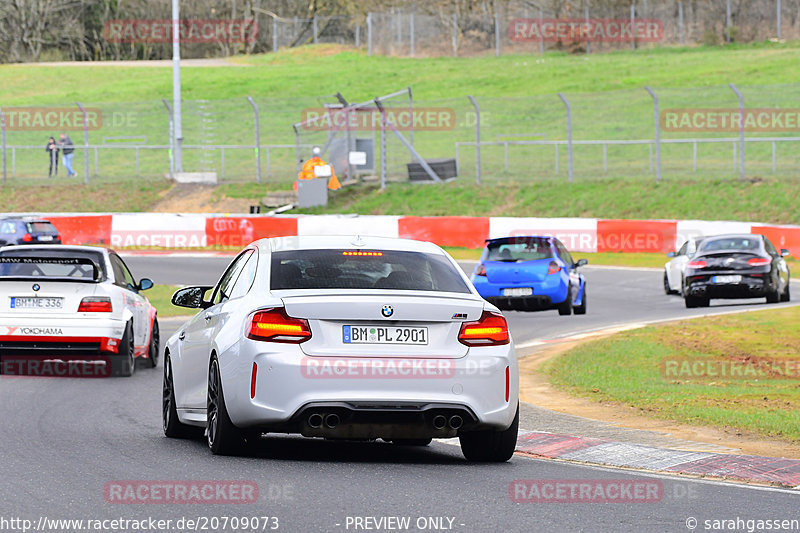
[(177, 231)]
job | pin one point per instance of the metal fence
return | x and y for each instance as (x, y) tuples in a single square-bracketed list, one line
[(490, 27), (624, 133)]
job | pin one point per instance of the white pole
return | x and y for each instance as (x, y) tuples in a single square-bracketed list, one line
[(176, 85), (727, 21)]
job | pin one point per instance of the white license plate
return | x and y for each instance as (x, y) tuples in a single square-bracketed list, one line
[(518, 291), (726, 279), (45, 237), (384, 335), (36, 303)]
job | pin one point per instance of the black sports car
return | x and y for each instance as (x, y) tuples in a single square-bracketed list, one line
[(736, 266)]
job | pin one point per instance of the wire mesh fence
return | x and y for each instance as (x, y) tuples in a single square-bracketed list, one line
[(613, 134), (519, 26)]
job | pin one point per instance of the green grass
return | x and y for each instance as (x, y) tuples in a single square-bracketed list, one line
[(253, 191), (773, 201), (517, 94), (160, 297), (62, 195), (333, 68), (629, 368)]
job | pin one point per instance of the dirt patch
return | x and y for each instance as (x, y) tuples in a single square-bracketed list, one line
[(535, 389), (198, 199)]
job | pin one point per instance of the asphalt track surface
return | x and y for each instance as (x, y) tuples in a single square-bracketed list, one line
[(64, 441)]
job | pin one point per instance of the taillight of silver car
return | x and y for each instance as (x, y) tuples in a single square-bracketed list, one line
[(274, 325), (490, 330)]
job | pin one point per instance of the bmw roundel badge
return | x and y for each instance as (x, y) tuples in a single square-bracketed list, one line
[(387, 311), (36, 287)]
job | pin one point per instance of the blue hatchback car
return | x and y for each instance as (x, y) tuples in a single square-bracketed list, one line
[(530, 273), (26, 230)]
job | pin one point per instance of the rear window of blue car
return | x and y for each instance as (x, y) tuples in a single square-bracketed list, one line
[(41, 227), (516, 249)]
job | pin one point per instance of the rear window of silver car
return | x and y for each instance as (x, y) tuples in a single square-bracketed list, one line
[(364, 269)]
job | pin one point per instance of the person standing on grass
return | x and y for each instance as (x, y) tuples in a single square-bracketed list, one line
[(67, 150), (52, 154)]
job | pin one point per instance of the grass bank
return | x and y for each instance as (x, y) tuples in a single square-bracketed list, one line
[(758, 200), (325, 69), (517, 94), (160, 297), (737, 372)]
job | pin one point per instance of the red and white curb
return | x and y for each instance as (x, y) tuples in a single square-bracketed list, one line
[(195, 230), (747, 468)]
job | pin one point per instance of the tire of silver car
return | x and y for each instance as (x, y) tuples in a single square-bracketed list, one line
[(223, 437), (491, 446)]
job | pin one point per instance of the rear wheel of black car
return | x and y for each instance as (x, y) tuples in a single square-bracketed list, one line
[(491, 446), (565, 307), (581, 309), (124, 363), (773, 297), (696, 301), (786, 296)]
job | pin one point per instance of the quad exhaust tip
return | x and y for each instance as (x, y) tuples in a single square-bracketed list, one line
[(331, 421), (315, 421), (439, 421), (456, 422)]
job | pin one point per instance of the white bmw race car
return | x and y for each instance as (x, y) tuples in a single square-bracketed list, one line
[(73, 302), (343, 338)]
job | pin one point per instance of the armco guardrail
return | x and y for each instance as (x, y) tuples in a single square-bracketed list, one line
[(182, 231)]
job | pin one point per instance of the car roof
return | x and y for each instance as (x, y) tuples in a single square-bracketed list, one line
[(317, 242), (19, 218), (58, 247), (512, 237), (734, 236)]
